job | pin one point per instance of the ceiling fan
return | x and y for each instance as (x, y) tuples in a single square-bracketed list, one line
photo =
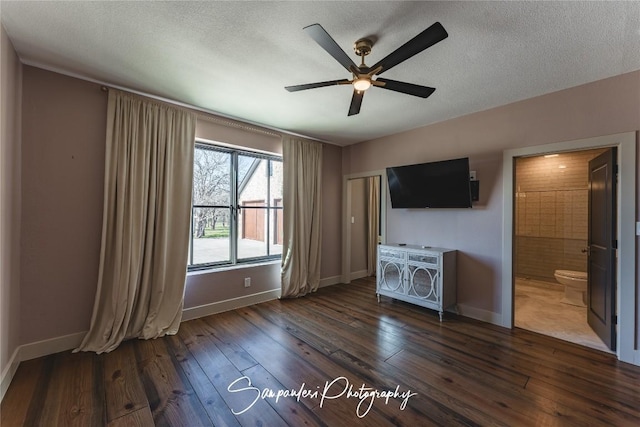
[(363, 76)]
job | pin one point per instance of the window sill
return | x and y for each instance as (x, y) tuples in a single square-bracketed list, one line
[(241, 266)]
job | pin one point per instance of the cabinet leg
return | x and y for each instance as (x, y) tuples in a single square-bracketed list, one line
[(440, 314), (378, 298)]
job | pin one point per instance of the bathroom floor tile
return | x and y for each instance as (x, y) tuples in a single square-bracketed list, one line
[(538, 308)]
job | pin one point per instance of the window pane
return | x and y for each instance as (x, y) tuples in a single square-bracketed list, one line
[(252, 232), (275, 192), (211, 177), (275, 183), (276, 231), (252, 181), (252, 228), (211, 235)]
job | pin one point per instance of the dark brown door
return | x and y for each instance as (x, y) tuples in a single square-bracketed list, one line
[(253, 222), (601, 288)]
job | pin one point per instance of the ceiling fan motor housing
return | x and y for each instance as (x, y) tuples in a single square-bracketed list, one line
[(362, 47)]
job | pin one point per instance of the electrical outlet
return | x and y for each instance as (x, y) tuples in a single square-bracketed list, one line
[(247, 282)]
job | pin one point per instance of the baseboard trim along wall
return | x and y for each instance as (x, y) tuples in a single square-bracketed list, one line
[(53, 345), (480, 314), (8, 372), (330, 281), (358, 274), (230, 304), (37, 349)]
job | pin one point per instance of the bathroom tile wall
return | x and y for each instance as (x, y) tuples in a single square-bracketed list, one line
[(551, 214)]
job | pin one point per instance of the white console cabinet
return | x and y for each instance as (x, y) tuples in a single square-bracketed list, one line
[(419, 275)]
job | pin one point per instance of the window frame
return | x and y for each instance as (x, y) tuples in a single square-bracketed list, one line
[(235, 209)]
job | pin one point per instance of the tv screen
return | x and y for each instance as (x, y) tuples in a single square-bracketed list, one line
[(442, 184)]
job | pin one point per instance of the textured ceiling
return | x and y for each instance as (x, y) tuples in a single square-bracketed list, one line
[(235, 58)]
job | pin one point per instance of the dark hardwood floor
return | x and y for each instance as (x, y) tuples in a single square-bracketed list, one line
[(228, 369)]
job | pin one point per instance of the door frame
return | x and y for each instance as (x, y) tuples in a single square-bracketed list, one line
[(626, 201), (346, 216)]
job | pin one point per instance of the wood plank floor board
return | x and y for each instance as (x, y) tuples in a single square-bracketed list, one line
[(291, 370), (222, 373), (321, 343), (443, 419), (464, 372), (534, 354), (335, 333), (172, 399), (124, 392), (333, 370), (75, 394), (620, 396), (212, 402), (289, 408), (140, 418), (26, 382), (436, 404), (500, 395), (270, 349), (597, 413)]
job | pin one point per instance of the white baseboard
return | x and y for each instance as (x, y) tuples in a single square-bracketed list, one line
[(358, 274), (8, 372), (330, 281), (230, 304), (480, 314), (34, 350), (50, 346)]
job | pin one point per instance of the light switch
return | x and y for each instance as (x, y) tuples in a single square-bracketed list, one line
[(353, 220)]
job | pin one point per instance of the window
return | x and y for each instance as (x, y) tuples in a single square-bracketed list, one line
[(237, 207)]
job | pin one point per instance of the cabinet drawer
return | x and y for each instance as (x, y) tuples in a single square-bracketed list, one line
[(427, 259), (390, 253)]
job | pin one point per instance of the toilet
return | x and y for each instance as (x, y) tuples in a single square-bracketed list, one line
[(575, 286)]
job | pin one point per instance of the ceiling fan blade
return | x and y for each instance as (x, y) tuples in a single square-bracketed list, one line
[(315, 85), (327, 43), (422, 41), (356, 102), (408, 88)]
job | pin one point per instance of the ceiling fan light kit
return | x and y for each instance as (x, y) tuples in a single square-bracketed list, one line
[(363, 76), (361, 84)]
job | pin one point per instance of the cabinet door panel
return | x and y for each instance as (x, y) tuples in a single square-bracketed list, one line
[(423, 283), (391, 276)]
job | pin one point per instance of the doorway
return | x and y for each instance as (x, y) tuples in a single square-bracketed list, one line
[(626, 224), (551, 238), (356, 237)]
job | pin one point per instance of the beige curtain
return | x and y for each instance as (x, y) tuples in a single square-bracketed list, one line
[(302, 209), (145, 229), (373, 223)]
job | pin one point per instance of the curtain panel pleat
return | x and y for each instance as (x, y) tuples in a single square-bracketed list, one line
[(302, 169), (145, 232)]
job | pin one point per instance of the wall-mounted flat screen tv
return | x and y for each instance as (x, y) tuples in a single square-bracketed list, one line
[(442, 184)]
